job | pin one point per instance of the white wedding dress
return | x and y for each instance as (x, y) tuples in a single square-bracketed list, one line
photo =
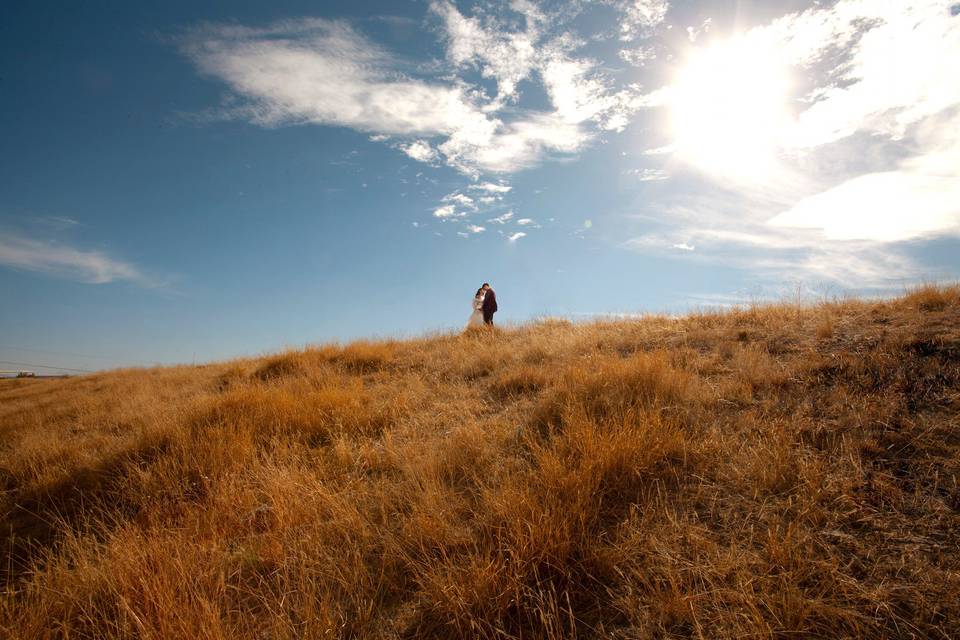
[(476, 318)]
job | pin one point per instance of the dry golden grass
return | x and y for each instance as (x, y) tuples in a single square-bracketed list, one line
[(776, 471)]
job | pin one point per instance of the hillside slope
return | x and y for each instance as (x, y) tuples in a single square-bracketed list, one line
[(768, 472)]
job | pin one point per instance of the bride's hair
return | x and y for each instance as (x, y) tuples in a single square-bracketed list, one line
[(479, 291)]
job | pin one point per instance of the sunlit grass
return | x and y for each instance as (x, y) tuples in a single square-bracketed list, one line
[(773, 471)]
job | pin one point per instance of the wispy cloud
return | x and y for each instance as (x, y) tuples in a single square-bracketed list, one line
[(650, 175), (513, 237), (57, 223), (504, 56), (420, 151), (920, 197), (639, 56), (447, 211), (93, 267), (491, 187), (659, 151), (896, 68), (895, 83), (639, 17), (463, 205), (326, 72), (461, 199), (694, 32), (731, 229)]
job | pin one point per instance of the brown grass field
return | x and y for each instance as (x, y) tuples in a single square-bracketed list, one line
[(777, 471)]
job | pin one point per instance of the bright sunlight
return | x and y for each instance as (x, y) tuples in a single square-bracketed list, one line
[(728, 107)]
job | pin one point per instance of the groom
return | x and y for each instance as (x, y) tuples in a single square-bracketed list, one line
[(489, 304)]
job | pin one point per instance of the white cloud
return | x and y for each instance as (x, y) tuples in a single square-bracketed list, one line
[(579, 94), (524, 221), (93, 267), (522, 144), (909, 203), (502, 219), (446, 211), (420, 151), (650, 175), (491, 187), (459, 205), (783, 256), (325, 72), (513, 237), (463, 234), (899, 66), (640, 17), (683, 246), (473, 228), (57, 223), (639, 56), (507, 57), (461, 199), (896, 82), (658, 151), (648, 241), (656, 98), (694, 33)]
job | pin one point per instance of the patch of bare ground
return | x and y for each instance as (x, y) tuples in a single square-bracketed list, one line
[(773, 471)]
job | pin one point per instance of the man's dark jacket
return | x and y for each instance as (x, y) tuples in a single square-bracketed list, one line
[(489, 303)]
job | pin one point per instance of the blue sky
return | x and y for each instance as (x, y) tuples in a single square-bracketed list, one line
[(190, 181)]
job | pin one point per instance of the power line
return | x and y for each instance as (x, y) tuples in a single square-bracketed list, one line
[(55, 353), (45, 366)]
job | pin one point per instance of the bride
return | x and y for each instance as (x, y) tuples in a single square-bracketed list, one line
[(476, 318)]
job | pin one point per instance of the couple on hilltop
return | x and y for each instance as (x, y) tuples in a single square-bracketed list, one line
[(484, 306)]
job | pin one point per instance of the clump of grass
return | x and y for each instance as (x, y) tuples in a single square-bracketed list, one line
[(293, 364), (610, 387), (361, 357), (267, 412), (933, 297), (825, 328), (755, 367), (232, 377), (365, 356), (519, 382)]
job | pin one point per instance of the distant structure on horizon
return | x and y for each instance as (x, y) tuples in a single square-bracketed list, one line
[(29, 374)]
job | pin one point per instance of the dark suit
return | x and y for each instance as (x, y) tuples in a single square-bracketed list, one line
[(489, 306)]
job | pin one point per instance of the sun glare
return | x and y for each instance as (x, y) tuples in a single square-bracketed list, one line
[(729, 108)]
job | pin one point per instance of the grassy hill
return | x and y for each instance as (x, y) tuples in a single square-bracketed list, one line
[(777, 471)]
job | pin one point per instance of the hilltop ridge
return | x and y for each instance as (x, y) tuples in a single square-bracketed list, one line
[(768, 471)]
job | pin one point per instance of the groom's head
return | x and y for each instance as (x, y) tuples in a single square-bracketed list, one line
[(486, 285)]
